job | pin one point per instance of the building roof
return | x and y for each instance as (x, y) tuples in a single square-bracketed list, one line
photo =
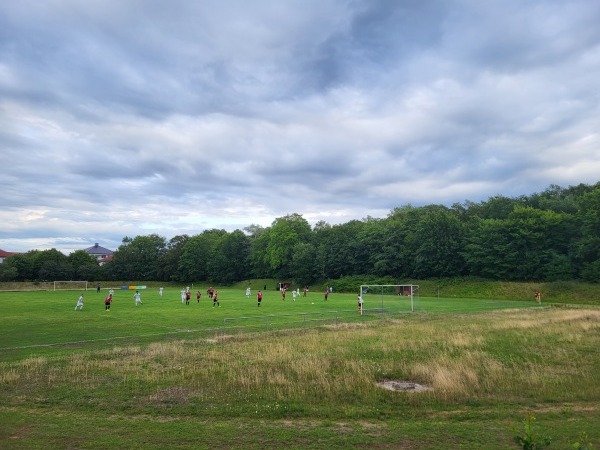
[(5, 254), (98, 250)]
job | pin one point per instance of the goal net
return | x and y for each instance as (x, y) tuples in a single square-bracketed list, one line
[(70, 285), (389, 297)]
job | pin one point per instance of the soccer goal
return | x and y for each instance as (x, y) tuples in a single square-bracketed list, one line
[(385, 297), (70, 285)]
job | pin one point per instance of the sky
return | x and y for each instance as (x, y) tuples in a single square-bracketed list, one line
[(124, 118)]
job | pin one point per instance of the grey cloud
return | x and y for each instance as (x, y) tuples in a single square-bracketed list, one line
[(189, 115)]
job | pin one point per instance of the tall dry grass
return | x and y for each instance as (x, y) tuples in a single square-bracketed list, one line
[(485, 357)]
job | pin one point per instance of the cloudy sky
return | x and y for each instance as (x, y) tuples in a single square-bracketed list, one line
[(131, 117)]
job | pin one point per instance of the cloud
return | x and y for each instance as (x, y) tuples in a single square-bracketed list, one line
[(127, 118)]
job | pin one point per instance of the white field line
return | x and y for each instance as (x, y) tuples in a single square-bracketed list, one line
[(87, 341)]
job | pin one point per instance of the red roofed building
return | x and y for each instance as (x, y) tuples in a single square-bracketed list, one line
[(4, 255)]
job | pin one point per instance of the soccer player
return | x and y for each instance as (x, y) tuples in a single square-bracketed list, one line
[(111, 291), (214, 297), (79, 303), (248, 292), (183, 296), (188, 295), (326, 293), (294, 293), (198, 296), (138, 298), (107, 302), (282, 293), (160, 291), (360, 304), (259, 297)]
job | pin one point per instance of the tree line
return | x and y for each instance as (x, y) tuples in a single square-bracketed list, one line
[(548, 236)]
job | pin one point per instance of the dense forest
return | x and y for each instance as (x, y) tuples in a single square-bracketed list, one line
[(547, 236)]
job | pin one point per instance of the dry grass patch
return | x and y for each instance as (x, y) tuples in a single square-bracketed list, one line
[(583, 319), (171, 395)]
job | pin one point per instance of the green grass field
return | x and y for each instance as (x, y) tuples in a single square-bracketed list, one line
[(292, 374), (47, 319)]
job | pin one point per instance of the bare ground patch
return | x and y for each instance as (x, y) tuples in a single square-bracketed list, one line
[(403, 386)]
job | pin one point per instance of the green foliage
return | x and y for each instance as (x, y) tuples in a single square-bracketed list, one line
[(49, 265), (529, 438), (8, 272), (550, 236), (138, 258), (583, 442), (169, 267), (198, 254), (285, 233), (591, 271)]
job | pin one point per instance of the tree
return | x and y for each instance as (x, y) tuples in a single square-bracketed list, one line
[(197, 260), (497, 207), (8, 272), (530, 244), (53, 265), (169, 266), (230, 262), (338, 250), (259, 264), (285, 233), (85, 266), (138, 258), (589, 243), (434, 239), (303, 263), (26, 265)]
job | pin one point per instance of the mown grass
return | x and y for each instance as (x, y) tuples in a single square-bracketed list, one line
[(148, 385)]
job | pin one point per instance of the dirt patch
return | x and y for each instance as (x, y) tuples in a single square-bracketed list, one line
[(21, 433), (170, 396), (404, 386)]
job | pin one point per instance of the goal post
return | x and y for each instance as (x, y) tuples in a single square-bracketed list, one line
[(380, 294), (70, 285)]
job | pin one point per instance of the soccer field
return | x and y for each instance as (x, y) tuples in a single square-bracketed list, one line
[(47, 319), (169, 375)]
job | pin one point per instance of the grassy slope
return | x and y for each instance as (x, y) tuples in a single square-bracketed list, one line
[(570, 292), (153, 384)]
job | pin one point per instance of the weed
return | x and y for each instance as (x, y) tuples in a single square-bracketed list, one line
[(583, 443), (529, 438)]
